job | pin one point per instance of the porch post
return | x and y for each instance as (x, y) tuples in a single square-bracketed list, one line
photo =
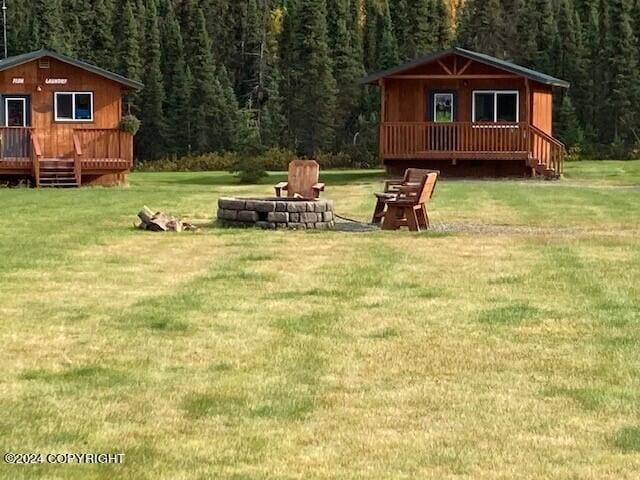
[(383, 114), (527, 89)]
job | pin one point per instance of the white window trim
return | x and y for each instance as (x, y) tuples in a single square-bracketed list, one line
[(435, 105), (24, 110), (73, 107), (495, 103)]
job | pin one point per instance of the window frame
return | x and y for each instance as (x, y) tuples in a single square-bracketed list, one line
[(73, 107), (6, 110), (435, 106), (495, 105)]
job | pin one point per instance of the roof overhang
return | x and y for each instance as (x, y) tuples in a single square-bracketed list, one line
[(478, 57), (18, 60)]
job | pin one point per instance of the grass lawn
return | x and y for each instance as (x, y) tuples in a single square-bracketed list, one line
[(503, 346)]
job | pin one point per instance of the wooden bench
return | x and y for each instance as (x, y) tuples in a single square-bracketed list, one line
[(408, 208), (412, 176)]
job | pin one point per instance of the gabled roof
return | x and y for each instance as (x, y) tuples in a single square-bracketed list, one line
[(479, 57), (38, 54)]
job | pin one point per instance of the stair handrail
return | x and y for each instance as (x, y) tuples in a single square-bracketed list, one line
[(548, 137), (36, 155), (77, 158), (557, 152)]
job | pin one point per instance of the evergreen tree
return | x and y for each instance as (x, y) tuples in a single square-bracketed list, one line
[(130, 60), (593, 72), (400, 14), (372, 21), (545, 29), (567, 126), (102, 41), (271, 122), (421, 33), (312, 118), (635, 19), (348, 68), (623, 69), (153, 131), (47, 27), (388, 46), (481, 27), (354, 28), (441, 24), (177, 86), (568, 44), (603, 116), (214, 105)]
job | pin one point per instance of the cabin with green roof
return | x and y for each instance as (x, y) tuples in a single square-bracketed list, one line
[(60, 121), (467, 113)]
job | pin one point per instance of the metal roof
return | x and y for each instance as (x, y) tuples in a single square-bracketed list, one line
[(38, 54), (479, 57)]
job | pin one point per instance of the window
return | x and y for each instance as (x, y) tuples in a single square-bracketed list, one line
[(74, 106), (443, 107), (496, 106), (15, 112)]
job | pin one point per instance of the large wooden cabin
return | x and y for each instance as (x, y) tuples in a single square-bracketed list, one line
[(60, 121), (466, 113)]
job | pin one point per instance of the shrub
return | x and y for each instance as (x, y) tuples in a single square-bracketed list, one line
[(249, 169), (250, 165), (194, 163), (274, 159), (130, 124)]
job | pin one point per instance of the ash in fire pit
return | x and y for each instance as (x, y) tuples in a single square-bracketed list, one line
[(272, 213)]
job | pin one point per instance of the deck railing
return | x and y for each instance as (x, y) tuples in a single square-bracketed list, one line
[(406, 138), (15, 142), (104, 143)]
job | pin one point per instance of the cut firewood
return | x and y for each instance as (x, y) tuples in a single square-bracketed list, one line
[(161, 222)]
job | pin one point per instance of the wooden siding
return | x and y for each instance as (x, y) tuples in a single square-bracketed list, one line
[(408, 100), (56, 138), (542, 110)]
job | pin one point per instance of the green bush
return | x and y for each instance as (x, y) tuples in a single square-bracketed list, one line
[(274, 159), (250, 167)]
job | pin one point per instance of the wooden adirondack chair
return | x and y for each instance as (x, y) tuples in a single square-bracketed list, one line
[(303, 180), (408, 208), (391, 188)]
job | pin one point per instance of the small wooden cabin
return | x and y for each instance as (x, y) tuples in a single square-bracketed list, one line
[(466, 113), (60, 121)]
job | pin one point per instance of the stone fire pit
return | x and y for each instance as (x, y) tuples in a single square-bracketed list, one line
[(272, 213)]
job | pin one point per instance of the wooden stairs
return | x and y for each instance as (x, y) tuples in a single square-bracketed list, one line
[(546, 154), (57, 173)]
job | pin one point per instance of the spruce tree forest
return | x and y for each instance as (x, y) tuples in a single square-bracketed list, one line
[(283, 73)]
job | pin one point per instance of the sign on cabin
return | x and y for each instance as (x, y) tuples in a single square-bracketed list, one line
[(56, 81), (18, 80)]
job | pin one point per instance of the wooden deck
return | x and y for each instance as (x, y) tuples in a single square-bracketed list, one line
[(471, 141), (96, 152)]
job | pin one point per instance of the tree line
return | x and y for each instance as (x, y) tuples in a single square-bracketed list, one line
[(284, 72)]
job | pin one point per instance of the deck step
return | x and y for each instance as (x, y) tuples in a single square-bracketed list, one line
[(547, 172), (57, 173)]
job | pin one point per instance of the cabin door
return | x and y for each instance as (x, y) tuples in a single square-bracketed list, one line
[(442, 113), (15, 114)]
